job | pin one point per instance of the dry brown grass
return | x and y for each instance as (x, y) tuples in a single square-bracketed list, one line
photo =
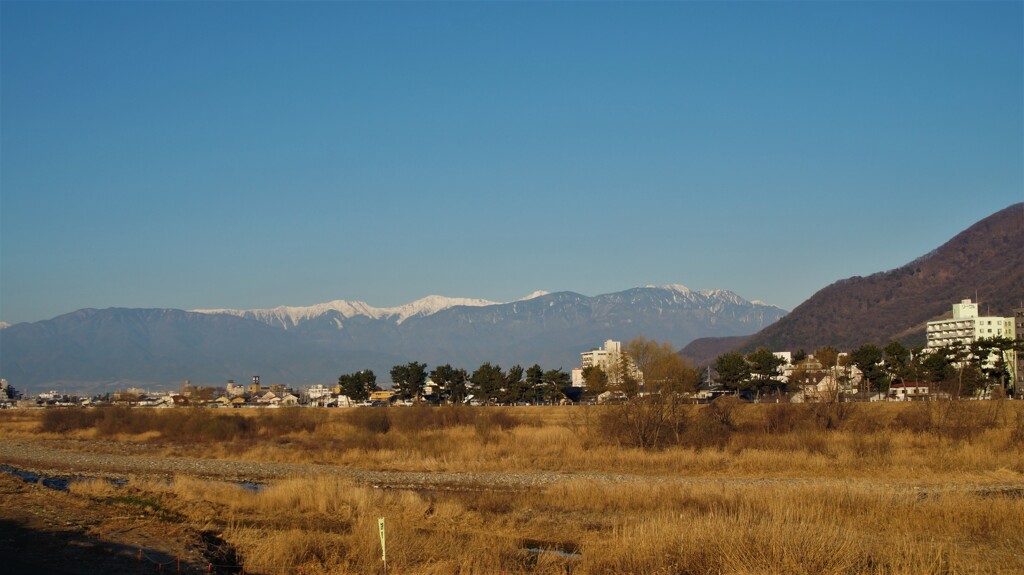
[(325, 525), (876, 488), (894, 440)]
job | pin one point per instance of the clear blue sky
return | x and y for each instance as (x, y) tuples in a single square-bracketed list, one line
[(255, 154)]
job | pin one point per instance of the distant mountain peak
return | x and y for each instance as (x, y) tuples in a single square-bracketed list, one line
[(672, 287), (534, 295), (709, 294), (432, 304), (715, 294), (291, 316), (301, 345)]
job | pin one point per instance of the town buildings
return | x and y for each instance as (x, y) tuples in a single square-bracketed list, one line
[(612, 361), (1018, 334), (966, 327)]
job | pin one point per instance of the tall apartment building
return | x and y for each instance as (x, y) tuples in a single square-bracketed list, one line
[(1018, 334), (609, 359), (966, 326)]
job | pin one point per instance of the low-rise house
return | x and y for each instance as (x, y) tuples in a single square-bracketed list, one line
[(820, 386), (164, 401), (611, 397), (908, 392), (386, 396)]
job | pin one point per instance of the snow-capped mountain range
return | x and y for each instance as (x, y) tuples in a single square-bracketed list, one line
[(288, 317), (315, 344), (291, 316)]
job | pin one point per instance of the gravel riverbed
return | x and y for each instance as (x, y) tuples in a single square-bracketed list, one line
[(114, 459), (122, 460)]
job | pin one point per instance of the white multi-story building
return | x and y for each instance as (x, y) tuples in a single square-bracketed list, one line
[(233, 390), (967, 327), (601, 356), (577, 377), (1018, 330), (318, 391), (610, 359)]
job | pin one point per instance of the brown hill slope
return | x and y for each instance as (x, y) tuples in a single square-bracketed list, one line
[(704, 350), (984, 262)]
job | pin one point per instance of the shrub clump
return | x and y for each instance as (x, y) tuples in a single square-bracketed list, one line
[(68, 420), (648, 423), (375, 420), (425, 417), (951, 420), (1016, 437), (182, 425), (714, 424)]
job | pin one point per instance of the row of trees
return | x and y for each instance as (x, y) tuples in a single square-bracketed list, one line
[(966, 370), (656, 369), (957, 369), (659, 367), (454, 385), (757, 371)]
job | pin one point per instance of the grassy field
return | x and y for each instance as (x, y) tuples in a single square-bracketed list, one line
[(729, 488)]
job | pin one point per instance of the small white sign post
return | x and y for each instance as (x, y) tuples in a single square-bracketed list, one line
[(383, 547)]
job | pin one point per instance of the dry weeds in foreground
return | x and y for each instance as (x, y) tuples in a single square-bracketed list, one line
[(928, 488), (898, 441), (324, 525)]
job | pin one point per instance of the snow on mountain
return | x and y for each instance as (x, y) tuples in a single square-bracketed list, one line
[(4, 324), (673, 287), (722, 294), (708, 294), (288, 317), (534, 295), (291, 316), (431, 305)]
